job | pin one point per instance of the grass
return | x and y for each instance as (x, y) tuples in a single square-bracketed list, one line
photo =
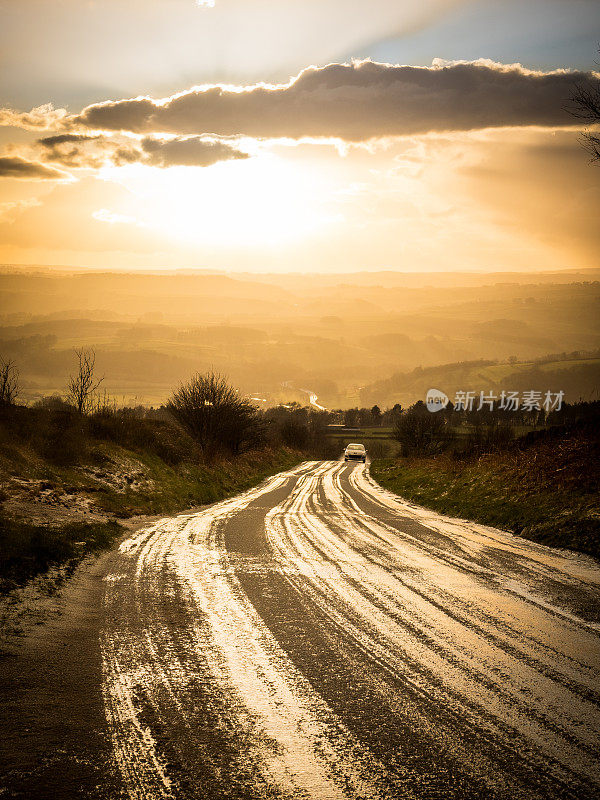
[(172, 489), (27, 550), (547, 490)]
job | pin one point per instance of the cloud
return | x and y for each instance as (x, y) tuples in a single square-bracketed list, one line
[(69, 207), (539, 182), (192, 151), (44, 117), (355, 102), (80, 151), (93, 151), (74, 150), (17, 167), (66, 138)]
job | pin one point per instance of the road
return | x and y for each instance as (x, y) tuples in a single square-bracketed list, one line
[(317, 637)]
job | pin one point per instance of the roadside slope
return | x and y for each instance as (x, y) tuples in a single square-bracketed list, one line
[(52, 517), (545, 488)]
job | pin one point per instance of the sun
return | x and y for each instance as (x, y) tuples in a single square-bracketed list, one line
[(265, 200)]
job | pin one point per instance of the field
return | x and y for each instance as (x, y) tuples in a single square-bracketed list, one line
[(352, 340)]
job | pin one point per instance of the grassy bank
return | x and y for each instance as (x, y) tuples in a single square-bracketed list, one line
[(165, 489), (53, 515), (28, 550), (546, 488)]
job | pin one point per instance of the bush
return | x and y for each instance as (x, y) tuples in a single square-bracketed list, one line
[(9, 382), (216, 416), (421, 432), (144, 430), (378, 449), (488, 438), (59, 432), (294, 433)]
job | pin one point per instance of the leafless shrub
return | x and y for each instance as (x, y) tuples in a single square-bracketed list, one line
[(215, 415), (421, 432), (379, 449), (103, 404), (83, 386), (9, 382), (488, 438), (587, 107), (59, 433)]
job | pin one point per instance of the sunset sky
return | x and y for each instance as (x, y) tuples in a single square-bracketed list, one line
[(278, 135)]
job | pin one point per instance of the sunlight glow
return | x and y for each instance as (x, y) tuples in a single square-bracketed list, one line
[(263, 200), (104, 215)]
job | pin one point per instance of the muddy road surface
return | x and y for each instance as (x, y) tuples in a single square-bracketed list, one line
[(317, 637)]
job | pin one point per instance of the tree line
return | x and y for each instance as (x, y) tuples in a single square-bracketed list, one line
[(206, 418), (420, 432)]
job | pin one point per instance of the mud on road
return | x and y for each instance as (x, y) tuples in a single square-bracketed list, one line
[(317, 637)]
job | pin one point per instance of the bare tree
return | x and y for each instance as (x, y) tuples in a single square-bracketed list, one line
[(84, 384), (215, 415), (9, 382), (587, 107)]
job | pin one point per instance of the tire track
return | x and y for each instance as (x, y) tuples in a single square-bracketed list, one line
[(318, 637), (333, 549), (282, 739)]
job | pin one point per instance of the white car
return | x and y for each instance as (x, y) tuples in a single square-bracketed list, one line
[(355, 452)]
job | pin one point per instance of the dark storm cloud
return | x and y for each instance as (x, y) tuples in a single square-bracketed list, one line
[(191, 152), (16, 167), (355, 102)]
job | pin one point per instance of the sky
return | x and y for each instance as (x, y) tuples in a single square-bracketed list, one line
[(297, 135)]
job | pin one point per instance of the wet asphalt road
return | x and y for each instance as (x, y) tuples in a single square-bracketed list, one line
[(319, 638)]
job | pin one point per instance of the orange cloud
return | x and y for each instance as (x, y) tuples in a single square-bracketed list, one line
[(44, 117), (191, 151)]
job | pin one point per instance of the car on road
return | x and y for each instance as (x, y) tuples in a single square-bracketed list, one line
[(355, 452)]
